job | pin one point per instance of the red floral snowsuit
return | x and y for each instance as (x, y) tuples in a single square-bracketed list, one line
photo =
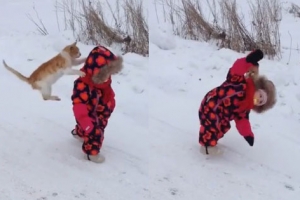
[(93, 103), (232, 100)]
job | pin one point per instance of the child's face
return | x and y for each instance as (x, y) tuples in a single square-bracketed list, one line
[(260, 98)]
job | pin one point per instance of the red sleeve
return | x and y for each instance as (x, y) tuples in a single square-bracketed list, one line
[(240, 66), (243, 125)]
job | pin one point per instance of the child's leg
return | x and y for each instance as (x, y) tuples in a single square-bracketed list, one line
[(77, 133), (93, 143), (208, 133), (224, 127), (207, 137)]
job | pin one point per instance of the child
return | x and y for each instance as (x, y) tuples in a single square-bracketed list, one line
[(93, 100), (242, 92)]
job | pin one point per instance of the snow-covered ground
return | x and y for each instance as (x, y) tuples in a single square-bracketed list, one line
[(151, 142)]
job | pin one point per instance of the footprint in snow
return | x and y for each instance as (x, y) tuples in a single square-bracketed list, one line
[(137, 90), (173, 191), (289, 187), (80, 195), (54, 194), (42, 198)]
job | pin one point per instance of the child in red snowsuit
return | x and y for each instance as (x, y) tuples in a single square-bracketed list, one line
[(233, 100), (93, 100)]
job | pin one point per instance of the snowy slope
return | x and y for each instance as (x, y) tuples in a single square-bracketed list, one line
[(151, 140)]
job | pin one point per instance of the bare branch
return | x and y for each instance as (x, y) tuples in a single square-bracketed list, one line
[(129, 26), (40, 26)]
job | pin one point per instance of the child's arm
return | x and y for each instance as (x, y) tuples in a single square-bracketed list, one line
[(244, 127), (248, 63)]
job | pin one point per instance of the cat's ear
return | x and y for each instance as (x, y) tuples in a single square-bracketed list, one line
[(74, 44)]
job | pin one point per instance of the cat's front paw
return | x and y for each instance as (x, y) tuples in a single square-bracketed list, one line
[(82, 74)]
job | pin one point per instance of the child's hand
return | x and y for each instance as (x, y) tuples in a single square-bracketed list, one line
[(250, 140), (252, 73)]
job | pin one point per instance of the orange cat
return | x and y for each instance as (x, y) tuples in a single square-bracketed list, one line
[(49, 72)]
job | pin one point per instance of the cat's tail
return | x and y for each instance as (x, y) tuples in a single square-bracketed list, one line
[(15, 72)]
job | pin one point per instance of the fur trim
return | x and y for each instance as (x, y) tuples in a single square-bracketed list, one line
[(116, 65), (268, 86), (113, 67)]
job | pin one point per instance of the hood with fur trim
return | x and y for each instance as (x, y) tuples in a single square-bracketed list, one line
[(112, 67), (101, 64), (261, 82)]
